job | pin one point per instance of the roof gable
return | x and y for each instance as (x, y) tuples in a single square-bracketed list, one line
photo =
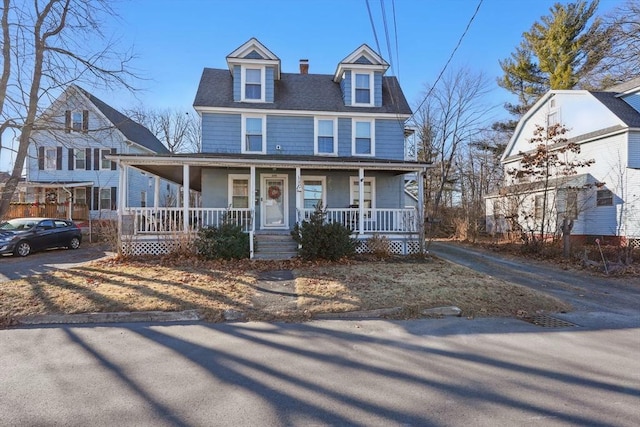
[(131, 130), (363, 56), (252, 51)]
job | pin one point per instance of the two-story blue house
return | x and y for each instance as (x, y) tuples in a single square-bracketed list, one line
[(67, 171), (275, 145)]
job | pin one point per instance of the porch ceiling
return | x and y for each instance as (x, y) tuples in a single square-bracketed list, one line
[(170, 167)]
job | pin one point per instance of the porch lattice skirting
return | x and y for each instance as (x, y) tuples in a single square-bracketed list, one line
[(160, 245)]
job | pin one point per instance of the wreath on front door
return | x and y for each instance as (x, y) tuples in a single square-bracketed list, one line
[(274, 192)]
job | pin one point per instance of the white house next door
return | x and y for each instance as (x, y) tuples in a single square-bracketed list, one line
[(274, 202)]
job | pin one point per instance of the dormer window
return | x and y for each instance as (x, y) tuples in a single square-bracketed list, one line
[(253, 84), (362, 88)]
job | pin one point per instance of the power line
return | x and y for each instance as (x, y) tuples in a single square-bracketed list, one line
[(373, 27), (395, 33), (449, 60)]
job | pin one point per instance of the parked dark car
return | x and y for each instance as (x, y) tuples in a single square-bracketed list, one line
[(21, 236)]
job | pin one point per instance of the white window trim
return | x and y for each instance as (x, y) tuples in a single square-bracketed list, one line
[(316, 135), (75, 158), (232, 177), (81, 127), (100, 199), (323, 180), (373, 137), (243, 81), (104, 151), (243, 141), (353, 184), (371, 102), (48, 167)]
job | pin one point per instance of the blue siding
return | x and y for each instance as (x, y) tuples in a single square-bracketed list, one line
[(221, 133), (293, 134), (377, 89), (389, 139), (344, 137), (237, 82), (634, 150), (346, 88), (633, 100), (269, 77)]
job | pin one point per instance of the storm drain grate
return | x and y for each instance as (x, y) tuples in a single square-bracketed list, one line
[(548, 322)]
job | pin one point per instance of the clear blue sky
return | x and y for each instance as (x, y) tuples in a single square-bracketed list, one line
[(174, 40)]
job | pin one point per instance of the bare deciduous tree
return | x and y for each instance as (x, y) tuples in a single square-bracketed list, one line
[(449, 120), (46, 45), (178, 130)]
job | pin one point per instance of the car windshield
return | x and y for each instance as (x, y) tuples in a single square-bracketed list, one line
[(17, 224)]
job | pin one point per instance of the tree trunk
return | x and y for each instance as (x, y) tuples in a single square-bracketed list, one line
[(567, 226)]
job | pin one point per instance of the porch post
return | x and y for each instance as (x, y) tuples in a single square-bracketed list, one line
[(185, 197), (122, 192), (156, 193), (252, 206), (420, 218), (360, 201), (299, 196)]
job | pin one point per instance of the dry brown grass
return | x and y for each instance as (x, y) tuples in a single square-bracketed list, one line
[(174, 284)]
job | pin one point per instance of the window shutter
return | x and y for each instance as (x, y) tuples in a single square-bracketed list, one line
[(87, 192), (71, 159), (113, 198), (85, 121), (87, 161), (67, 121), (96, 159), (96, 198), (59, 158), (113, 164), (41, 158)]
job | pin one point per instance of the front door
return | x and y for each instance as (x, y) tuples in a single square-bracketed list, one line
[(274, 202)]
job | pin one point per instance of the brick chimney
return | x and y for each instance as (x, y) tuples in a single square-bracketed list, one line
[(304, 66)]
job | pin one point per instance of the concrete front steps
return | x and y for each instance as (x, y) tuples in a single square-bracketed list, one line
[(274, 246)]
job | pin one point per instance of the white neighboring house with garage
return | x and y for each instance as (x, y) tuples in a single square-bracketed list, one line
[(603, 199)]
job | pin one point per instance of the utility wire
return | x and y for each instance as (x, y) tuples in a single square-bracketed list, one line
[(448, 61), (373, 27), (395, 32)]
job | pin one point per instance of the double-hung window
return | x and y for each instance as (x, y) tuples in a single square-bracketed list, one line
[(368, 194), (253, 84), (80, 196), (105, 199), (239, 191), (363, 138), (76, 121), (253, 134), (50, 158), (80, 156), (313, 191), (362, 88), (326, 141), (104, 162)]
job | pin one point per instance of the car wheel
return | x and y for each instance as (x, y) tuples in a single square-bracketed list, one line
[(74, 243), (23, 248)]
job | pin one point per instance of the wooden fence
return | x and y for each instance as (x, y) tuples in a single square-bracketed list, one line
[(53, 210)]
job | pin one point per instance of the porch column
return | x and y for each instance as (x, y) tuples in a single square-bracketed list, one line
[(360, 201), (185, 198), (156, 193), (252, 206), (420, 218), (122, 194), (299, 196)]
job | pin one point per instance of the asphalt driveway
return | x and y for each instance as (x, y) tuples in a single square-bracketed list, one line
[(14, 267), (598, 301)]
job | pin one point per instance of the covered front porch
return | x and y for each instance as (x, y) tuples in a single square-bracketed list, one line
[(268, 195)]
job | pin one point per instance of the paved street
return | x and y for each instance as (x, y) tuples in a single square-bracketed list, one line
[(454, 371), (442, 372)]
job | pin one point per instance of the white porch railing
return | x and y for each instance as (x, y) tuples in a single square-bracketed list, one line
[(168, 220), (374, 220)]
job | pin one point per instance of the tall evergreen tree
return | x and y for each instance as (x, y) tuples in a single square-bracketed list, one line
[(556, 53)]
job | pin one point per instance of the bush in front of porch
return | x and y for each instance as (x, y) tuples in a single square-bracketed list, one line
[(323, 240), (228, 241)]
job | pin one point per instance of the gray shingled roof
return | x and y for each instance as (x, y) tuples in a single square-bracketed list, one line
[(133, 131), (623, 87), (620, 108), (311, 92)]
